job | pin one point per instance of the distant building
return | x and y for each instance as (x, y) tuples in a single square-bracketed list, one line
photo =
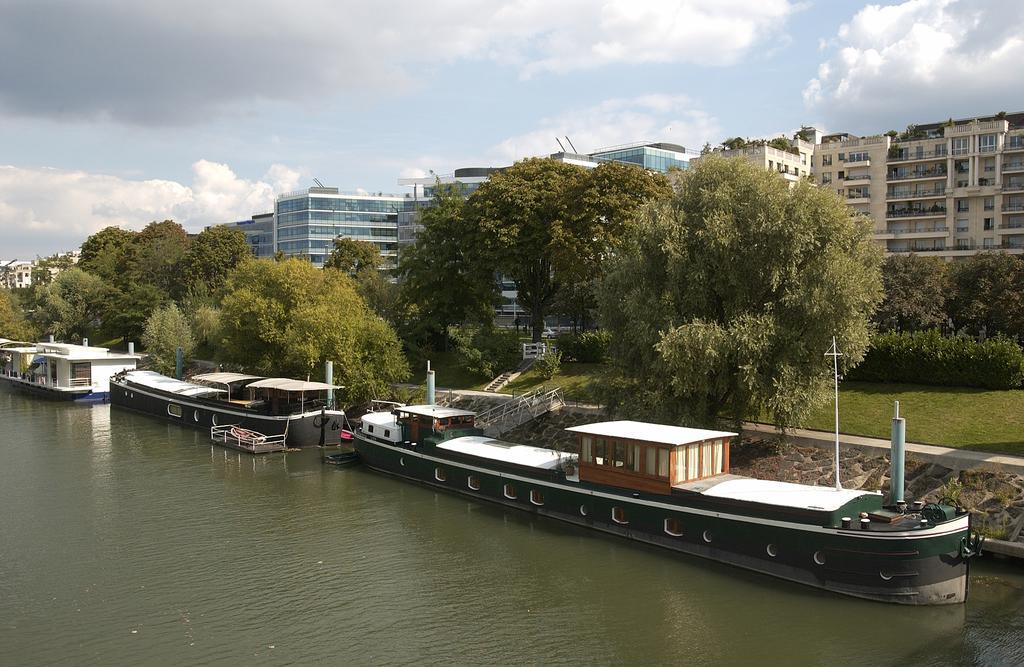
[(793, 164), (260, 233), (15, 273)]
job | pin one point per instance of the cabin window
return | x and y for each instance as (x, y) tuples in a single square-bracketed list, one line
[(692, 471), (174, 410), (707, 463), (619, 515), (619, 455), (369, 428), (599, 452), (635, 458), (651, 466), (663, 457), (510, 491), (586, 454), (673, 527), (439, 475), (387, 433), (473, 483), (536, 497)]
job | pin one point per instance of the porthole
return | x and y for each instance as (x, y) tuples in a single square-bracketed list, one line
[(819, 557), (619, 515), (707, 536), (195, 416), (510, 492), (214, 419), (401, 460), (886, 576), (440, 475), (772, 551), (673, 527), (536, 497), (473, 483), (583, 510), (174, 410)]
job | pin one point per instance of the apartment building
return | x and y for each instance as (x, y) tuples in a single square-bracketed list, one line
[(15, 273), (948, 189), (793, 164)]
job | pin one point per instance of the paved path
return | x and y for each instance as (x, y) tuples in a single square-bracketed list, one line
[(947, 456)]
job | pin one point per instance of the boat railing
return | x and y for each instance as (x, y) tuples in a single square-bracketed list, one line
[(232, 435)]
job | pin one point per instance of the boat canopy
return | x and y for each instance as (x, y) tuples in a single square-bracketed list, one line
[(286, 384), (498, 450), (785, 494), (154, 380), (434, 411), (226, 378), (655, 433)]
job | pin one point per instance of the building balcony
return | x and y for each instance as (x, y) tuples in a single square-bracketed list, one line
[(1013, 166), (859, 199), (897, 214), (933, 193), (852, 178), (912, 156), (1012, 146), (1011, 207), (918, 175), (1013, 187), (1012, 228), (938, 232), (864, 162)]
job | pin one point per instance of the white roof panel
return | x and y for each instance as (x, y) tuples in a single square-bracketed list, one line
[(498, 450), (660, 433), (225, 378), (287, 384), (785, 494), (154, 380), (438, 411)]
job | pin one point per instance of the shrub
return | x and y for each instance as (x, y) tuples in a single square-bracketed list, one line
[(485, 352), (926, 357), (549, 365), (586, 347)]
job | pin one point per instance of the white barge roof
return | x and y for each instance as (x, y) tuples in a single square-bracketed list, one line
[(785, 494), (287, 384), (225, 378), (660, 433), (499, 450), (438, 411), (155, 380)]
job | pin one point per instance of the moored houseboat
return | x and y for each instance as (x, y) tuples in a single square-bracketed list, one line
[(62, 371), (295, 409), (671, 487)]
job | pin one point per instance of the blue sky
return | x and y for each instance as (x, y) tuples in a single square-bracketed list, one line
[(121, 113)]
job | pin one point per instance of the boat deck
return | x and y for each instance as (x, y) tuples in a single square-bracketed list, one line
[(780, 494)]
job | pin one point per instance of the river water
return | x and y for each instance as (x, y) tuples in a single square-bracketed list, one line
[(127, 541)]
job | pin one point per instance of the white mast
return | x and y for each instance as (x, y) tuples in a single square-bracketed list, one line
[(834, 353)]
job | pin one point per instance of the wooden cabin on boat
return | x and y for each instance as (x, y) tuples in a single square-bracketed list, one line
[(650, 457)]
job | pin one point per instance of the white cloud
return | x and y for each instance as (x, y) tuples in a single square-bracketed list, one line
[(47, 210), (158, 64), (919, 61), (670, 118)]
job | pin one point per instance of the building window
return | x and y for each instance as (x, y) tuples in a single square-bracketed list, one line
[(987, 143), (961, 145), (619, 515), (963, 205), (826, 178), (988, 243), (536, 497), (826, 160), (673, 527), (510, 492), (439, 475), (990, 203), (174, 410), (473, 483), (988, 224)]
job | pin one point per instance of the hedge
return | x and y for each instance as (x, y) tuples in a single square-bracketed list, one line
[(926, 357), (587, 347)]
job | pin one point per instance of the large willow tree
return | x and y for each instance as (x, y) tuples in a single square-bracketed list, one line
[(724, 303)]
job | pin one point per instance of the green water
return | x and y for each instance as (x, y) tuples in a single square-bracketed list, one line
[(127, 541)]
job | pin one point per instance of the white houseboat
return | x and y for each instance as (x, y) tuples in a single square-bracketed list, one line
[(62, 371)]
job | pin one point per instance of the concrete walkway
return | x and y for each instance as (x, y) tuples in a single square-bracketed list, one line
[(947, 456)]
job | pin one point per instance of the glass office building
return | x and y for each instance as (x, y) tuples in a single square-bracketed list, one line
[(654, 157)]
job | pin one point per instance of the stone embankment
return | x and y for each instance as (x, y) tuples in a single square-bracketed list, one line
[(996, 497)]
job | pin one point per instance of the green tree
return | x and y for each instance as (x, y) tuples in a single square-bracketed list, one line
[(445, 278), (156, 257), (915, 293), (104, 254), (726, 300), (353, 256), (735, 143), (71, 305), (987, 293), (125, 310), (289, 317), (13, 323), (166, 330), (212, 255)]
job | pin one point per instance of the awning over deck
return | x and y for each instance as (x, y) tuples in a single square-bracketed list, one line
[(225, 378), (286, 384)]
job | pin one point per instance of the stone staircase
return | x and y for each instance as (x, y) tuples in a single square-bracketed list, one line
[(498, 383), (518, 411)]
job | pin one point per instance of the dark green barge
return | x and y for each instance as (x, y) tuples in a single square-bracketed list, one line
[(670, 486)]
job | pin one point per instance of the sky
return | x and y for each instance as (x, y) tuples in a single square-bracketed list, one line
[(120, 113)]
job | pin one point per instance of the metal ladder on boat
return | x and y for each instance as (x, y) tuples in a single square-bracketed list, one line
[(516, 412)]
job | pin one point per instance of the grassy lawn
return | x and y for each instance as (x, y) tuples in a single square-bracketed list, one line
[(447, 373), (957, 417), (576, 380)]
